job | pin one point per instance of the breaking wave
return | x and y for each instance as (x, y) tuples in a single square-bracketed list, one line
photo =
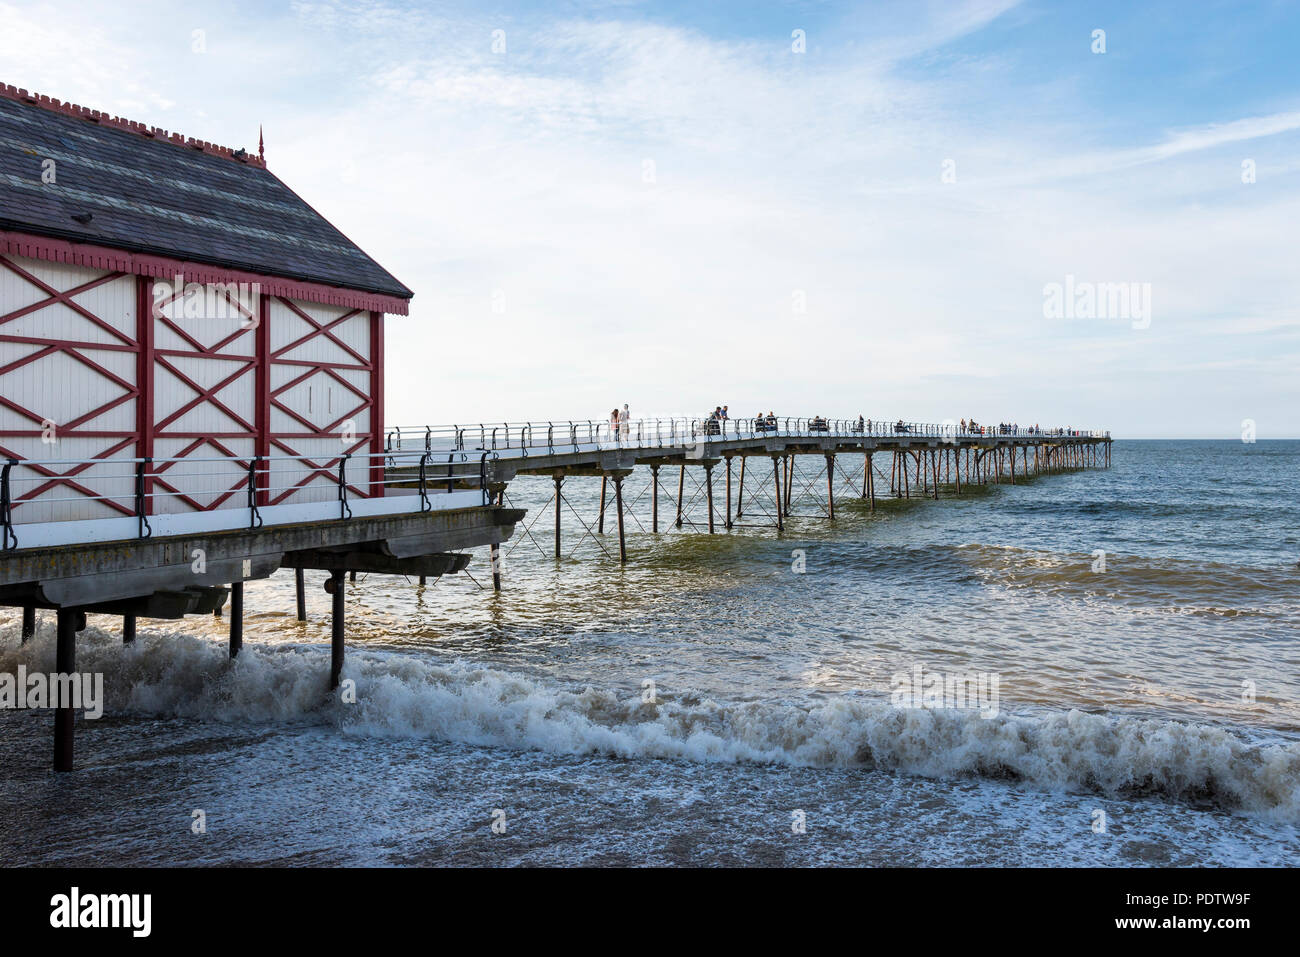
[(401, 696)]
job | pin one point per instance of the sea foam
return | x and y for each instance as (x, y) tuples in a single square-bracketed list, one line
[(401, 696)]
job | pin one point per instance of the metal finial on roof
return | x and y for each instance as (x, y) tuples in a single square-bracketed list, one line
[(261, 146)]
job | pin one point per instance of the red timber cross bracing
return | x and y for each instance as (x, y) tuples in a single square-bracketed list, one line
[(324, 400), (70, 373), (199, 378)]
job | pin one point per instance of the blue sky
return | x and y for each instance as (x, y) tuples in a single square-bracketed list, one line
[(664, 204)]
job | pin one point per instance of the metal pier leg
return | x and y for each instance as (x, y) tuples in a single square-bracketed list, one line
[(957, 470), (708, 488), (789, 480), (494, 553), (740, 492), (681, 490), (654, 499), (422, 581), (728, 491), (830, 485), (29, 621), (128, 629), (600, 523), (618, 503), (871, 483), (336, 587), (559, 481), (236, 618), (776, 477), (65, 664), (300, 588)]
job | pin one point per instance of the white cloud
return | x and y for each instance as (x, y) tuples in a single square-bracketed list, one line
[(468, 173)]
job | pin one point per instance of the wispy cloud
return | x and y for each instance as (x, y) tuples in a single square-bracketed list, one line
[(651, 197)]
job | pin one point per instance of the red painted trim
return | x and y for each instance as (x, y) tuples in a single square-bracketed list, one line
[(63, 297), (73, 349), (140, 264), (202, 395), (144, 378), (319, 330), (262, 413), (304, 370), (377, 402)]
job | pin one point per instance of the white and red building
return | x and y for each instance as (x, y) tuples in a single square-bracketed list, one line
[(169, 300)]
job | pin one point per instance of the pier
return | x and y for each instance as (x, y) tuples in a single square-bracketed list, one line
[(192, 394), (748, 472)]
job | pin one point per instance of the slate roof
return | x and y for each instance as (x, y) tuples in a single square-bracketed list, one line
[(164, 196)]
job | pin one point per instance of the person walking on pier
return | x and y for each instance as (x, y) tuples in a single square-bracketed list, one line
[(613, 423)]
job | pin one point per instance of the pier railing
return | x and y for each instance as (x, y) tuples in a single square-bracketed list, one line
[(674, 431), (47, 502), (59, 501)]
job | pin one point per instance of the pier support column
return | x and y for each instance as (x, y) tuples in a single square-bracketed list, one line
[(740, 492), (776, 477), (618, 503), (559, 482), (65, 663), (336, 586), (789, 480), (236, 618), (728, 491), (681, 490), (128, 629), (830, 484), (29, 622), (600, 523), (708, 492), (654, 499), (957, 471), (300, 588), (871, 483), (494, 550)]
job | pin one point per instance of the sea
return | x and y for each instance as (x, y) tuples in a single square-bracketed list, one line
[(1098, 667)]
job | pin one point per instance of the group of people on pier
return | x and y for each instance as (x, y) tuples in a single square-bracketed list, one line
[(1002, 428), (620, 423)]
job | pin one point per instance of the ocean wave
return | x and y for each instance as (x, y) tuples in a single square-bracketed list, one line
[(400, 696), (1174, 585)]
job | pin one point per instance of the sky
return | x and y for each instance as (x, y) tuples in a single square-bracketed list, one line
[(804, 207)]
